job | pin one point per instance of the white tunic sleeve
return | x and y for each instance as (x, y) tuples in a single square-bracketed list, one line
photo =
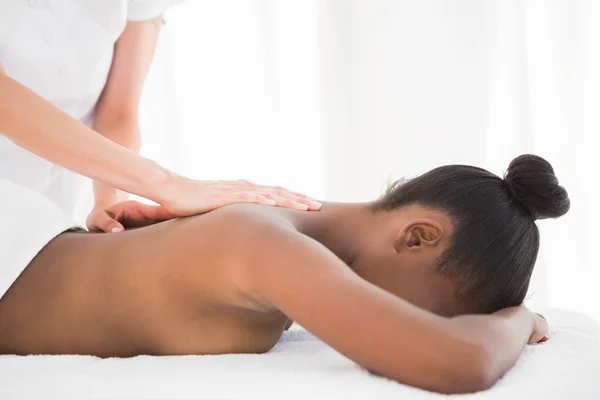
[(141, 10)]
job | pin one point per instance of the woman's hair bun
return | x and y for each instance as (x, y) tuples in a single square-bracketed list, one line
[(532, 182)]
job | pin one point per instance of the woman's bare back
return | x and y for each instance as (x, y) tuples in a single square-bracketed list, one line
[(214, 284), (172, 288)]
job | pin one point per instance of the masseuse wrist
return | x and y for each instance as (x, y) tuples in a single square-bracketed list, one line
[(162, 186), (107, 195)]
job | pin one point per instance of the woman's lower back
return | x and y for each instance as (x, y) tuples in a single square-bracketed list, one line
[(165, 289)]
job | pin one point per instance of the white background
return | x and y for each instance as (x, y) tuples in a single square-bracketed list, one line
[(336, 98)]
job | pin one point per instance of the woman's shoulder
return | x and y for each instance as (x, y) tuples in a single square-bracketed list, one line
[(256, 218)]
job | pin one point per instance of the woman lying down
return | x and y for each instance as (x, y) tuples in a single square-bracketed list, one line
[(423, 286)]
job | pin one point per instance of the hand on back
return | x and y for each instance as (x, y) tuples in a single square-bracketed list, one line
[(124, 215), (188, 197), (184, 196)]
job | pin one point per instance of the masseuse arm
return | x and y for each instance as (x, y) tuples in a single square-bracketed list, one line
[(43, 129), (40, 127), (379, 331), (117, 109)]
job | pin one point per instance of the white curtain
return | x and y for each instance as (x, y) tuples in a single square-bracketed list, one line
[(338, 97)]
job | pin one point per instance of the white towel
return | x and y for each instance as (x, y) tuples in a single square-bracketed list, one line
[(29, 221), (300, 367)]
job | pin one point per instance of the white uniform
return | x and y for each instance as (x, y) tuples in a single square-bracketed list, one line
[(62, 50)]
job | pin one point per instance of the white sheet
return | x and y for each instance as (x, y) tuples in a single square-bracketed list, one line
[(300, 367)]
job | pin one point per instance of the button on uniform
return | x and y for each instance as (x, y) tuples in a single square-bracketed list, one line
[(34, 3)]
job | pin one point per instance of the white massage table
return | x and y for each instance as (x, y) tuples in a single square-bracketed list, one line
[(300, 367)]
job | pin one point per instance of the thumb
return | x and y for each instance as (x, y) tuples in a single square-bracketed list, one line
[(103, 222)]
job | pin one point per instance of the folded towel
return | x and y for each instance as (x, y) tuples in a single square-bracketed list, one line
[(300, 367)]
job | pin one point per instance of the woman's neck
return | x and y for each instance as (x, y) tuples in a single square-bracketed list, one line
[(344, 228)]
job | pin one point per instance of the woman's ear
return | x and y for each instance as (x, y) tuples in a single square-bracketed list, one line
[(419, 234)]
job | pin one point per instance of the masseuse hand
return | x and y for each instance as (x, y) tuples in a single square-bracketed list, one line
[(183, 196), (127, 214)]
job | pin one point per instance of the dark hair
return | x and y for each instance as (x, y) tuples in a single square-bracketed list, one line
[(495, 240)]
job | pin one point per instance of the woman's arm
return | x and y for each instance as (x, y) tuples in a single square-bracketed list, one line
[(117, 109), (378, 330)]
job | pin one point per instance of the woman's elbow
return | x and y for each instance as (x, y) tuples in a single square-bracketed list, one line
[(463, 368), (474, 371), (469, 370)]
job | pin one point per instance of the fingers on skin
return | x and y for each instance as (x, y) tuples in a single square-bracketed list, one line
[(115, 228), (269, 199), (303, 196), (259, 199), (162, 213), (296, 199), (106, 224), (247, 192), (246, 197), (155, 212), (310, 204), (286, 202), (138, 211), (293, 196)]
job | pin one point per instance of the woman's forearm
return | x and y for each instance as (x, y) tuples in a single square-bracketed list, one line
[(500, 336), (40, 127), (376, 329)]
